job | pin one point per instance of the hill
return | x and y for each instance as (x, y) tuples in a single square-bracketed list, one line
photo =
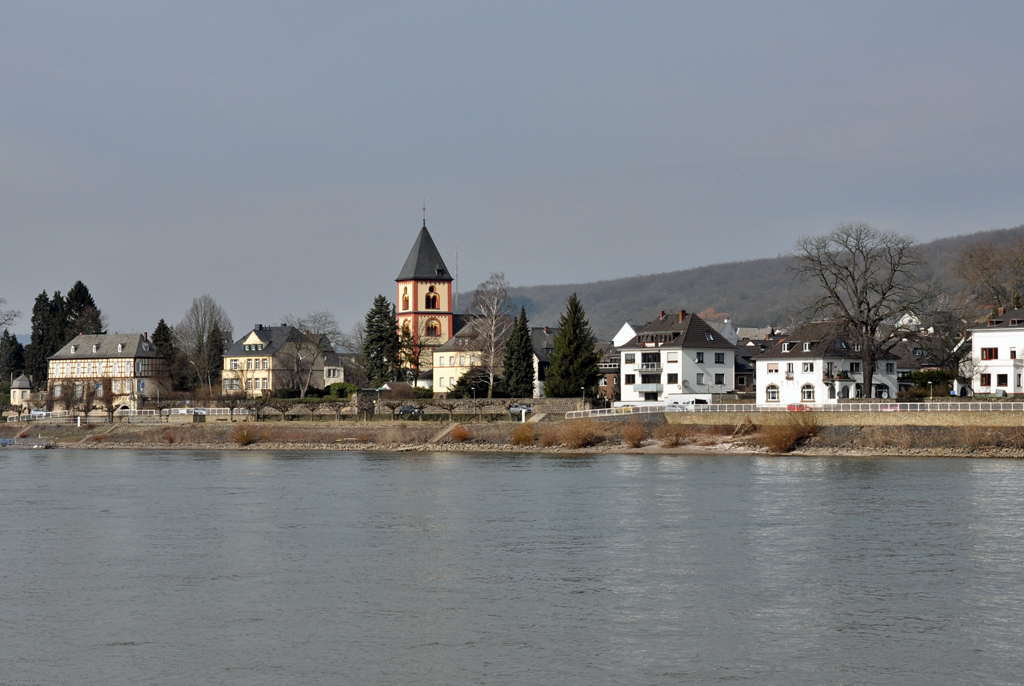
[(753, 293)]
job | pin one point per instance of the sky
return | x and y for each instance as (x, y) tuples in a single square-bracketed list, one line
[(277, 155)]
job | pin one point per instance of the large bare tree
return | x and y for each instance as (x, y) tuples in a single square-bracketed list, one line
[(867, 284), (198, 334), (7, 317), (316, 331), (493, 324), (994, 275)]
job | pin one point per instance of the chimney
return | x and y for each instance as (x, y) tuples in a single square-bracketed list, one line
[(546, 330), (682, 315), (662, 315), (1002, 311), (145, 335)]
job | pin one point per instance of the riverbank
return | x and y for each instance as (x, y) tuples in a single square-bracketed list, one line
[(795, 435)]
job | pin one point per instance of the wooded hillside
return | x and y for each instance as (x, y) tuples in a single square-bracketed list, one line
[(753, 293)]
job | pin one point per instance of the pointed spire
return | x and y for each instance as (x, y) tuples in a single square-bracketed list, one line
[(424, 261)]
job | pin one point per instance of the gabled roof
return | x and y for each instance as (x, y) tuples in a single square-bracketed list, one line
[(105, 345), (543, 340), (22, 383), (825, 341), (1009, 319), (680, 329), (424, 261), (272, 337)]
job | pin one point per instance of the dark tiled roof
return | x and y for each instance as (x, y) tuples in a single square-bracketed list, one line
[(424, 261), (272, 337), (825, 342), (680, 329), (1009, 319), (21, 383), (132, 345), (543, 339)]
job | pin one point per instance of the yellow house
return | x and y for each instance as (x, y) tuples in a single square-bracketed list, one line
[(271, 358), (455, 357), (137, 371)]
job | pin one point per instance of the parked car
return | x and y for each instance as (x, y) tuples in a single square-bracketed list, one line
[(798, 407), (517, 410), (410, 410)]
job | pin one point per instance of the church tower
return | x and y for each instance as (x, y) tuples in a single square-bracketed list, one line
[(425, 297)]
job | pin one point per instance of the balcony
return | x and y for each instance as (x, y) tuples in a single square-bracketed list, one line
[(648, 366), (789, 376), (648, 388), (836, 376)]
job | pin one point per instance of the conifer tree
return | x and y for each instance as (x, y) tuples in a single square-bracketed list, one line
[(37, 350), (57, 333), (574, 359), (12, 357), (163, 339), (81, 313), (518, 365), (381, 344)]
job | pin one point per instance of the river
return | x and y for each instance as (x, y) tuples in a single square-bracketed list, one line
[(366, 568)]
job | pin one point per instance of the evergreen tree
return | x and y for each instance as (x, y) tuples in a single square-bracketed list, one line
[(381, 346), (574, 359), (12, 357), (518, 365), (57, 334), (81, 313), (163, 339), (177, 361), (215, 357), (36, 351)]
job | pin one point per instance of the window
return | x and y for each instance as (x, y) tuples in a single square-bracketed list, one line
[(700, 378), (807, 347), (433, 299), (440, 361), (719, 358), (1013, 353), (462, 360), (709, 336), (719, 379), (650, 378), (856, 348), (264, 363), (88, 368), (248, 364), (1001, 379), (807, 393), (630, 358), (918, 352), (248, 384), (700, 358), (808, 367), (785, 347), (234, 365), (772, 394), (405, 298), (673, 378), (890, 367), (602, 381), (264, 384), (451, 360), (1018, 380), (630, 379), (451, 381), (990, 353), (433, 328), (986, 379), (672, 357), (472, 360), (773, 367), (854, 367), (789, 369), (741, 381)]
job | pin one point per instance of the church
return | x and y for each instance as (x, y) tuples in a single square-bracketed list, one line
[(425, 308)]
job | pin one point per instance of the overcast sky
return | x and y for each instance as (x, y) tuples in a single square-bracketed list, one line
[(276, 155)]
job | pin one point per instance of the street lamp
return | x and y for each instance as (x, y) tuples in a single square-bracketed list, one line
[(583, 397), (931, 391)]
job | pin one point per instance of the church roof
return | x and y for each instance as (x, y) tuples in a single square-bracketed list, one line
[(424, 261)]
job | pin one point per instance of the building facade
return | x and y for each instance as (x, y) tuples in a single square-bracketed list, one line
[(678, 354), (136, 370), (271, 358), (995, 367), (816, 365)]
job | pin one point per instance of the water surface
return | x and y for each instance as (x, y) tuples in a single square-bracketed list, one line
[(348, 568)]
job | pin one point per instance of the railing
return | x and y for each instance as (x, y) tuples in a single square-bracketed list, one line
[(648, 366), (64, 415), (780, 407)]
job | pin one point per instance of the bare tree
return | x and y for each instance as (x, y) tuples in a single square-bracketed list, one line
[(88, 400), (199, 335), (7, 317), (350, 343), (309, 346), (493, 324), (994, 275), (868, 282), (107, 398)]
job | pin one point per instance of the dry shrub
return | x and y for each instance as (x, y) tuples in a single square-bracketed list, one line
[(461, 434), (243, 435), (393, 435), (23, 434), (523, 435), (168, 436), (580, 433), (972, 437), (550, 435), (96, 439), (365, 437), (671, 435), (720, 429), (1016, 438), (634, 433), (781, 434)]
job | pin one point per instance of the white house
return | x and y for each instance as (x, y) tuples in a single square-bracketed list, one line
[(676, 354), (818, 366), (995, 367)]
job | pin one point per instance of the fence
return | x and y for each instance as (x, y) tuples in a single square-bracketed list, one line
[(838, 407), (64, 416)]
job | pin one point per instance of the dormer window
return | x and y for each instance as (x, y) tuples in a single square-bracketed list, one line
[(1014, 322), (807, 347), (145, 346), (995, 322), (709, 336), (120, 347), (95, 347), (785, 347), (73, 349), (856, 347)]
